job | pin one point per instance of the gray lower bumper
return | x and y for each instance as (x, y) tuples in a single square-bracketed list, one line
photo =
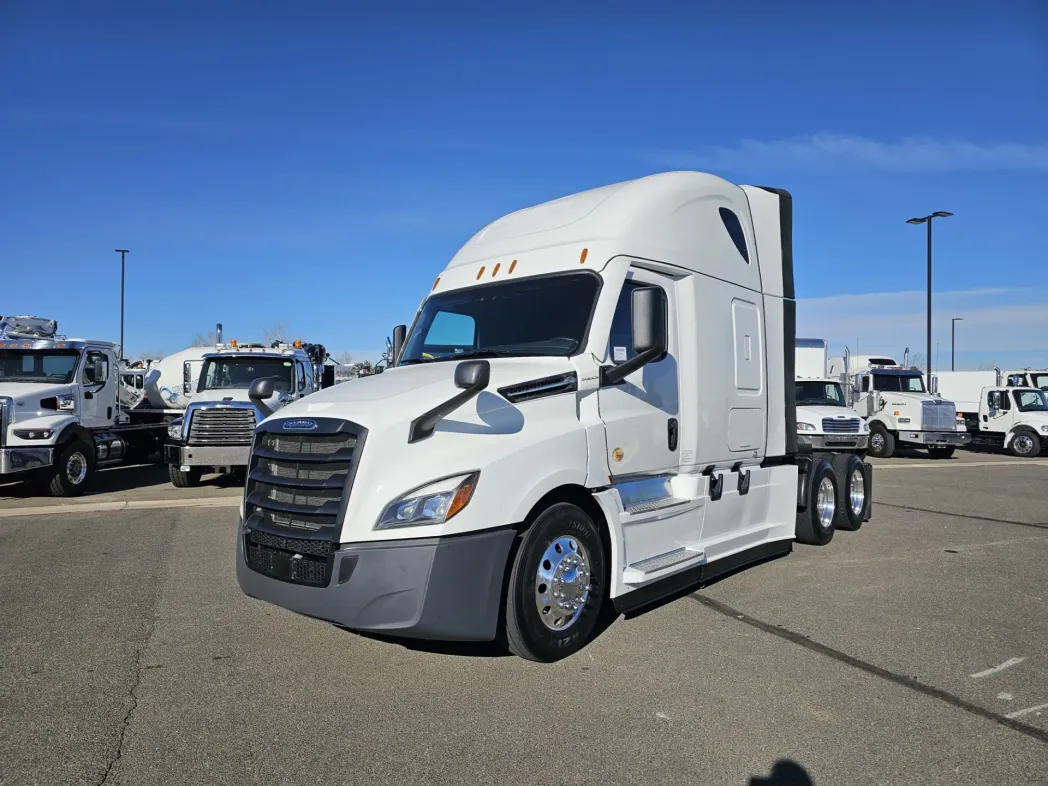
[(935, 437), (835, 441), (24, 459), (432, 588), (199, 456)]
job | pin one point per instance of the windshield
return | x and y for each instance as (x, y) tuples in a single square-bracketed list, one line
[(898, 383), (1030, 400), (240, 372), (17, 365), (828, 394), (1039, 381), (546, 315)]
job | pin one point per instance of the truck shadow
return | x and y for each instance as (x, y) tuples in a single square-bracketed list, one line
[(125, 477), (785, 772)]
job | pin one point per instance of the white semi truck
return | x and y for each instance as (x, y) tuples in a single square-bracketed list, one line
[(1012, 417), (826, 423), (61, 413), (215, 433), (898, 407), (593, 408)]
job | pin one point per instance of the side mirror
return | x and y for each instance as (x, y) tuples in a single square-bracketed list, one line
[(186, 380), (400, 332), (470, 374), (327, 377), (649, 320), (934, 387), (649, 334), (259, 392)]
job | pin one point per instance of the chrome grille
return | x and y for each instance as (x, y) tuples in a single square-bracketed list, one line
[(938, 415), (294, 495), (222, 426), (840, 425)]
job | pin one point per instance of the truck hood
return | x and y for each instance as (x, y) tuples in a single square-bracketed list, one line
[(814, 414), (30, 393), (517, 448)]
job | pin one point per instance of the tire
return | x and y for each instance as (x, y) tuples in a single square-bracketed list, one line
[(1025, 444), (815, 525), (942, 453), (184, 480), (238, 476), (882, 442), (850, 475), (70, 474), (560, 533)]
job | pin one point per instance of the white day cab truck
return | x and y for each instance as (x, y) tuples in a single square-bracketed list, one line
[(593, 409), (1007, 417), (220, 417), (898, 407), (826, 423), (61, 414)]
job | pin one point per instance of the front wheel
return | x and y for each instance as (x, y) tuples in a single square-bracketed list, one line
[(1025, 444), (556, 585), (882, 443), (72, 470), (184, 480)]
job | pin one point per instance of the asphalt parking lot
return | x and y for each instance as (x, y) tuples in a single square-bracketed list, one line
[(910, 652)]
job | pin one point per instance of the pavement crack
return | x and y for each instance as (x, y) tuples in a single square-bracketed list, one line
[(890, 676), (136, 680), (1032, 524)]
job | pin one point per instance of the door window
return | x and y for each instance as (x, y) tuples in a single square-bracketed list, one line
[(302, 378), (96, 369), (621, 340)]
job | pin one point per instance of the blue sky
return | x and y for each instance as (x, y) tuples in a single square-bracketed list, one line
[(318, 166)]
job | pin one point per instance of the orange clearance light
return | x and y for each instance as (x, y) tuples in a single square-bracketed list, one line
[(896, 413), (496, 270), (512, 265), (480, 272), (582, 258), (232, 342), (435, 283), (298, 343)]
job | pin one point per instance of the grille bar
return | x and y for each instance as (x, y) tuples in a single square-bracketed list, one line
[(840, 426), (222, 426)]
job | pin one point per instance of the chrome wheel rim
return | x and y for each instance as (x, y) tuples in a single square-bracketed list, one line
[(1023, 443), (877, 443), (76, 468), (562, 583), (824, 503), (857, 492)]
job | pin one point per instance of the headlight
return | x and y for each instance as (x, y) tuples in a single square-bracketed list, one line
[(41, 433), (865, 427), (1044, 429), (174, 428), (432, 504), (801, 426), (67, 403)]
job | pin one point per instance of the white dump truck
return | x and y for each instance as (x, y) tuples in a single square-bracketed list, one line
[(898, 407), (593, 409), (1010, 417), (1026, 378), (215, 433), (62, 410)]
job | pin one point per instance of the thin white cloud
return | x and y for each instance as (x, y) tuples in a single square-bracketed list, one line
[(909, 154)]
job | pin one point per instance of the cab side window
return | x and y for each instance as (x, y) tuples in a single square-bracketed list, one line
[(621, 339), (302, 378), (96, 368)]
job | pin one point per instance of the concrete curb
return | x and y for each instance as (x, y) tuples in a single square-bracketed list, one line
[(142, 504), (939, 464)]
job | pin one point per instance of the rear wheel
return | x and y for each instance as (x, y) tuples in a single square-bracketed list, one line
[(944, 452), (72, 470), (851, 480), (815, 524), (882, 443), (556, 586), (1025, 444), (184, 480)]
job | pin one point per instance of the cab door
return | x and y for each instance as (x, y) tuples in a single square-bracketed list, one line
[(641, 413), (98, 383)]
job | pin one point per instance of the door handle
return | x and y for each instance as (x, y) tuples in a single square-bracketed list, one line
[(671, 434)]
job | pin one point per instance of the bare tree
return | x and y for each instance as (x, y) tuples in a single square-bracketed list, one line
[(987, 366), (917, 359), (343, 358), (208, 339), (275, 333)]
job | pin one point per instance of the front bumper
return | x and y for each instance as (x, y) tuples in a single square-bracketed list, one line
[(835, 441), (210, 456), (936, 438), (24, 459), (429, 588)]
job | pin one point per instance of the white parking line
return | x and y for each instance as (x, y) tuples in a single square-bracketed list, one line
[(959, 464), (141, 504), (1027, 711), (1006, 665)]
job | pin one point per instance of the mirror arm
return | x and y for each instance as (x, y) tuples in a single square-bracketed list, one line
[(423, 426), (613, 375)]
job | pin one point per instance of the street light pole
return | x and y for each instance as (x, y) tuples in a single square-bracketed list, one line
[(928, 220), (122, 252), (953, 339)]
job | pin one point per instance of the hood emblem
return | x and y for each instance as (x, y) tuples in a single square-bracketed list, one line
[(299, 425)]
